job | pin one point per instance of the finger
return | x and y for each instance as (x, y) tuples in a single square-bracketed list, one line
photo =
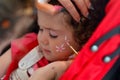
[(82, 6), (43, 1), (71, 9), (88, 3), (48, 8)]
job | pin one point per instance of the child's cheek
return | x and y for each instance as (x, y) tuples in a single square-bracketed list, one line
[(62, 47)]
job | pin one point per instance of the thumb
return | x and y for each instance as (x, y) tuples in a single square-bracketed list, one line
[(44, 6)]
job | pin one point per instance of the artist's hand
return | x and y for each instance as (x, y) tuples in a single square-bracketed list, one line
[(83, 6), (48, 8)]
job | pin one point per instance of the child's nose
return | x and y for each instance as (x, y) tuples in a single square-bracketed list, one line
[(43, 39)]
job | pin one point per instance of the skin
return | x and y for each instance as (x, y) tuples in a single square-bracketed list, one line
[(53, 29), (52, 33), (5, 61), (83, 6), (52, 71), (55, 26)]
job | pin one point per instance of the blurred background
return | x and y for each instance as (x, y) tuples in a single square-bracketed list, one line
[(17, 17)]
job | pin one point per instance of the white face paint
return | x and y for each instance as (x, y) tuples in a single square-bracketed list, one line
[(61, 48), (66, 40)]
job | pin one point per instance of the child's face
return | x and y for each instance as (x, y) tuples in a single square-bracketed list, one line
[(53, 34)]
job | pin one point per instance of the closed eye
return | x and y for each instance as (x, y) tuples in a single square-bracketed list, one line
[(53, 36)]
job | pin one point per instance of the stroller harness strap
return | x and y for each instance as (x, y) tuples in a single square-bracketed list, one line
[(107, 36)]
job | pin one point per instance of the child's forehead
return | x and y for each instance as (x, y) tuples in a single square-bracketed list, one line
[(58, 18), (63, 17), (44, 14), (58, 21)]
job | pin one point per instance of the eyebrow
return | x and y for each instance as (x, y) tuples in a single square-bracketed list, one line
[(50, 28)]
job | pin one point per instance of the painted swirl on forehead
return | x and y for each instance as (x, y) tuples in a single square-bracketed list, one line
[(61, 47)]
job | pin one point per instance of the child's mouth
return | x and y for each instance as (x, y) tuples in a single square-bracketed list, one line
[(46, 51)]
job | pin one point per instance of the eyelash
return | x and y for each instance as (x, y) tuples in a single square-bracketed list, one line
[(52, 36)]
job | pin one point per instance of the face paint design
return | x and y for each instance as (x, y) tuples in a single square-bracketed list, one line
[(66, 40), (61, 48)]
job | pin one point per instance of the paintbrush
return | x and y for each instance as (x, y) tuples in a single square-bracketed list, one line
[(72, 49)]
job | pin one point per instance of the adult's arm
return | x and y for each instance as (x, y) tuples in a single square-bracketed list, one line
[(5, 61), (51, 71)]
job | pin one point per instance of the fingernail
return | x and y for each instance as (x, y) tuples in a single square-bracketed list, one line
[(63, 10), (82, 19), (88, 16), (58, 8), (42, 1), (91, 7)]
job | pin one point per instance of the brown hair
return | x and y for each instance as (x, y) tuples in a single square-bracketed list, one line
[(84, 29)]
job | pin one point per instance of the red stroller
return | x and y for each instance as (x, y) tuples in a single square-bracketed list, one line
[(100, 58)]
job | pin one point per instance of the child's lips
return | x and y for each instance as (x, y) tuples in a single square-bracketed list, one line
[(46, 51)]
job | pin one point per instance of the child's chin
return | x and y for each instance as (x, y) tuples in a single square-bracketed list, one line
[(51, 60)]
